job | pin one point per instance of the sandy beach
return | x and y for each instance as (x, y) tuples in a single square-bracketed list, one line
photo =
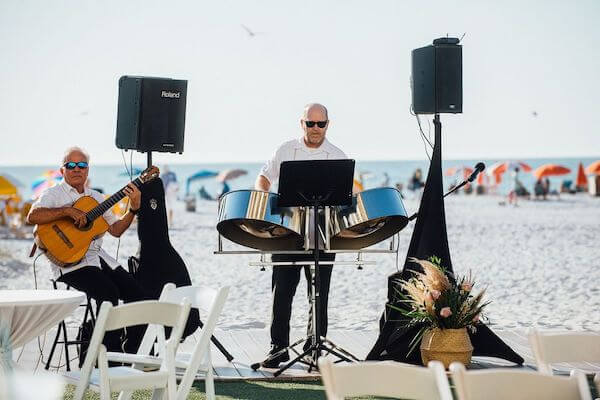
[(540, 262)]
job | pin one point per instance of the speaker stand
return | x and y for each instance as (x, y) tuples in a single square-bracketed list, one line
[(149, 154)]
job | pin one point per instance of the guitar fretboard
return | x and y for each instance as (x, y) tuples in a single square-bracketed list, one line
[(111, 201)]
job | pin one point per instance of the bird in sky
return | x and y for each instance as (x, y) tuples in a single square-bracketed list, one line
[(250, 32)]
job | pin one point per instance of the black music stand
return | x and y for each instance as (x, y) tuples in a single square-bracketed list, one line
[(315, 184)]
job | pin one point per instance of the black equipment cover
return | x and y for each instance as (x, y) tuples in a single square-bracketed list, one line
[(429, 238), (159, 262)]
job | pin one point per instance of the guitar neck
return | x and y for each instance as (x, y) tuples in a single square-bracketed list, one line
[(111, 201)]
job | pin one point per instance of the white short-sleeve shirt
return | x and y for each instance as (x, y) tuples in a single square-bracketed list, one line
[(63, 195), (296, 149)]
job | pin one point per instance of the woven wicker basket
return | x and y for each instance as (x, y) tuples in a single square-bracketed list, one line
[(447, 346)]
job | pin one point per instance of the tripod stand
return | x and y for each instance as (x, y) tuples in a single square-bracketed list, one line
[(307, 185)]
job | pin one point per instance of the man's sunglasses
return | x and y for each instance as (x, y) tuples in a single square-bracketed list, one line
[(72, 165), (320, 124)]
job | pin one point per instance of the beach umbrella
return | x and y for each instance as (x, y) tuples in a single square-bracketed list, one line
[(464, 170), (593, 168), (581, 180), (46, 180), (501, 167), (202, 174), (550, 170), (134, 172), (7, 187), (230, 174)]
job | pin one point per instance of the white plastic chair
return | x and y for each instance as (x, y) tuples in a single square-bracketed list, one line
[(210, 303), (385, 378), (126, 379), (549, 348), (496, 384)]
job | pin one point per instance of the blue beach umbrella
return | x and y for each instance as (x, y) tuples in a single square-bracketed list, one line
[(134, 171), (203, 174)]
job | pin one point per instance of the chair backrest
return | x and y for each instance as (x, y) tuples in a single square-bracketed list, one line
[(210, 303), (549, 348), (384, 378), (136, 313), (496, 384)]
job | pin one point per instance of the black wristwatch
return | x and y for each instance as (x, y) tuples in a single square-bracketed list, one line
[(134, 212)]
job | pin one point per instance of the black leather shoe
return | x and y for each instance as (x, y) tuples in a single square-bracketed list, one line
[(273, 362)]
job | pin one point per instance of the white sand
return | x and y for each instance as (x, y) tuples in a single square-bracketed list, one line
[(540, 262)]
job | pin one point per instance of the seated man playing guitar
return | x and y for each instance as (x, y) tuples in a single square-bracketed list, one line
[(97, 274)]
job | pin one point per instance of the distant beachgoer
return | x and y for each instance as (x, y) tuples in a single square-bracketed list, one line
[(386, 180), (416, 181), (539, 189), (171, 187), (514, 193), (399, 187), (226, 188), (98, 274)]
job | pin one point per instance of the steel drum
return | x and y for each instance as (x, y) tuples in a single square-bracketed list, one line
[(374, 215), (251, 218)]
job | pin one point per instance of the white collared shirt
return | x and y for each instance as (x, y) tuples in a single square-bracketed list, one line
[(63, 195), (296, 149)]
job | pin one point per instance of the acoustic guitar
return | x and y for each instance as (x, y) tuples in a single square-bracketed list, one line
[(64, 243)]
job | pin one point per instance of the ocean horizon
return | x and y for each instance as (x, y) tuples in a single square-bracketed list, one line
[(111, 177)]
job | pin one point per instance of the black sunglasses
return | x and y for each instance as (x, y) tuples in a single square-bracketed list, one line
[(72, 165), (320, 124)]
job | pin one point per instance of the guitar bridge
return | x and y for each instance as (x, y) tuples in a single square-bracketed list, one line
[(62, 236)]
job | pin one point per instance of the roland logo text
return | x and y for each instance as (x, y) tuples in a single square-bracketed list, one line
[(170, 95)]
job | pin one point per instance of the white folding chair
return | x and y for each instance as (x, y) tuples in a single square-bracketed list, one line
[(564, 347), (496, 384), (107, 379), (385, 378), (209, 303)]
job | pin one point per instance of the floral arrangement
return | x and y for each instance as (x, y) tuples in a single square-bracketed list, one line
[(431, 300)]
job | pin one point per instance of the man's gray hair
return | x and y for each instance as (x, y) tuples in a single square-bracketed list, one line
[(317, 105), (75, 149)]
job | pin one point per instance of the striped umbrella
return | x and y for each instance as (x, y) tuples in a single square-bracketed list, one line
[(46, 180)]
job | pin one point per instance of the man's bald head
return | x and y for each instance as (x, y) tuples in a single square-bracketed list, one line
[(314, 106)]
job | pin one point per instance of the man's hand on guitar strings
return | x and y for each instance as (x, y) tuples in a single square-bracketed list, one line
[(78, 216)]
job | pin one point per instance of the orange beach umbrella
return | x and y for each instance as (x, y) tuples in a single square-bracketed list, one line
[(500, 168), (550, 170), (593, 168), (581, 178)]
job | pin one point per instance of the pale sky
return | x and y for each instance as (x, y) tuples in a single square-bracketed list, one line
[(61, 61)]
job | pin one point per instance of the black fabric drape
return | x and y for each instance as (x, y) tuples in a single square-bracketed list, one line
[(429, 238)]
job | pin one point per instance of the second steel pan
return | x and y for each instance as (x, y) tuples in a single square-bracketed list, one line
[(374, 215), (251, 218)]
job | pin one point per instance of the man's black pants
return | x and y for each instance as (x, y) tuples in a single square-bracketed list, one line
[(106, 284), (284, 283)]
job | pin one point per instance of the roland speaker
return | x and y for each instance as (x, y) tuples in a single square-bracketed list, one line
[(437, 77), (151, 114)]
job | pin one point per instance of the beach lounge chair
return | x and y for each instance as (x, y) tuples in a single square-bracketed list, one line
[(107, 379), (210, 303), (496, 384), (384, 378), (565, 347)]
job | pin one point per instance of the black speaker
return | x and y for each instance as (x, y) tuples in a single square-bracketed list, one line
[(437, 77), (151, 114)]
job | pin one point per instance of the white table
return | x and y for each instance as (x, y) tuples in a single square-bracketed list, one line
[(26, 314)]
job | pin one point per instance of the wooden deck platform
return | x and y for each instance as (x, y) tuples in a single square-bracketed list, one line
[(250, 346)]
